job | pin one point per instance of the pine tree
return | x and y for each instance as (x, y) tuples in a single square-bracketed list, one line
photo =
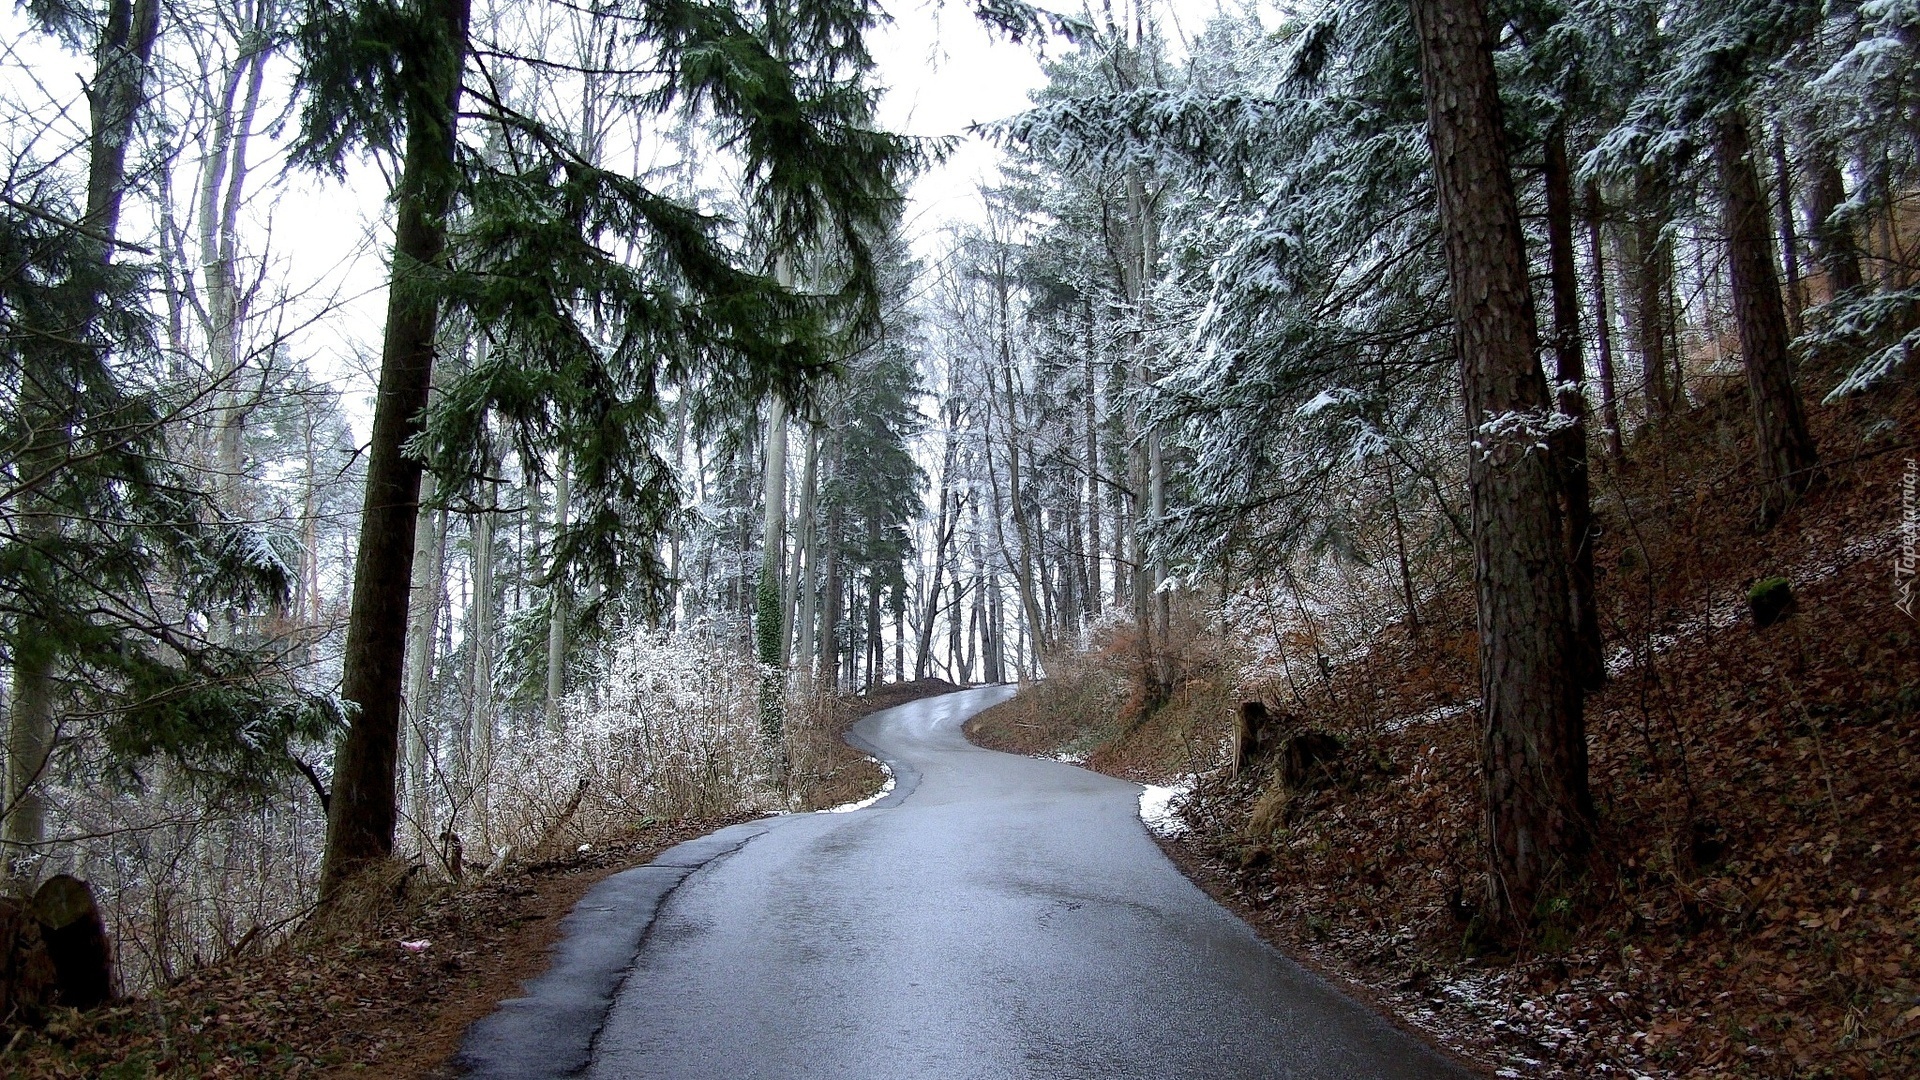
[(527, 265), (115, 564), (1534, 757)]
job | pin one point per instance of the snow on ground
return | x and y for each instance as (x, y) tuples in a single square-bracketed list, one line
[(885, 790), (1156, 807), (1431, 716)]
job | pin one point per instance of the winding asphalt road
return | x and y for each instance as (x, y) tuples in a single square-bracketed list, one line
[(995, 916)]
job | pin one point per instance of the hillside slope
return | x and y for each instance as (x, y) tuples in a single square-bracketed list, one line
[(1753, 905)]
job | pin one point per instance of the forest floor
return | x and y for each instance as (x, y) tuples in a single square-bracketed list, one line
[(391, 991), (1752, 906)]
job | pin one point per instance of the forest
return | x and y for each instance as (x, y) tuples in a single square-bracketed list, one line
[(439, 438)]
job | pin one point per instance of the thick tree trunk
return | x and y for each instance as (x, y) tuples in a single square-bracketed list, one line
[(361, 816), (1603, 330), (1570, 442), (1787, 455), (1534, 748)]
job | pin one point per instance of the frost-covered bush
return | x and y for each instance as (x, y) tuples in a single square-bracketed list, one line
[(663, 724)]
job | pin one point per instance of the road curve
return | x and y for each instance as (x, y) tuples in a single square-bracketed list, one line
[(995, 916)]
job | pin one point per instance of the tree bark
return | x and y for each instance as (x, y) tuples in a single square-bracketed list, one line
[(557, 592), (1095, 594), (1400, 550), (480, 717), (1652, 274), (361, 816), (428, 593), (1789, 240), (1787, 455), (942, 537), (830, 590), (1533, 746), (1603, 329), (807, 554), (773, 494), (1570, 442)]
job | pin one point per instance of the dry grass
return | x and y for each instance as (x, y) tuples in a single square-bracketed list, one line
[(342, 996), (345, 997)]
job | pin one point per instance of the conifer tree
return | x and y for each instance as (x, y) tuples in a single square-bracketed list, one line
[(530, 265), (1533, 749)]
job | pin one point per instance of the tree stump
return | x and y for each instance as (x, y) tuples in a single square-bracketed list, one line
[(1308, 756), (1251, 729), (26, 972), (76, 941), (1770, 600)]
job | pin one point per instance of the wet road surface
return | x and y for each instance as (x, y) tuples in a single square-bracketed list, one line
[(995, 916)]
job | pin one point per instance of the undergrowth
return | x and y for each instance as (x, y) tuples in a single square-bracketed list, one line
[(1752, 903)]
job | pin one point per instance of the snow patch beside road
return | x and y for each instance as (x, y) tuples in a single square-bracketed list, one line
[(861, 804), (1156, 808)]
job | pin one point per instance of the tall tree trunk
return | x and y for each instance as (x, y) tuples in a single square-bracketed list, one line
[(830, 619), (803, 537), (1603, 329), (428, 594), (773, 530), (1652, 274), (361, 815), (121, 61), (480, 718), (875, 651), (1534, 756), (557, 605), (222, 186), (808, 554), (1399, 550), (1833, 240), (992, 637), (1570, 442), (1789, 240), (674, 537), (942, 538), (1022, 563), (956, 631), (1787, 455), (1094, 586)]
